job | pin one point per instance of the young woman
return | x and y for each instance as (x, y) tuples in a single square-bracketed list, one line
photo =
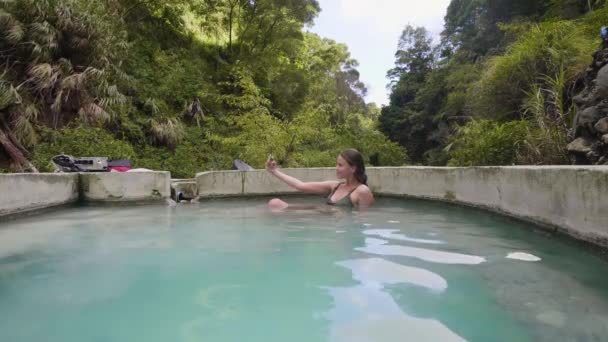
[(350, 190)]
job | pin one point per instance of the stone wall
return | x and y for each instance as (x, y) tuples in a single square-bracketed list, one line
[(573, 199), (590, 126)]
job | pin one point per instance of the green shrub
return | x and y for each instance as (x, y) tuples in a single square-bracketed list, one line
[(436, 157), (542, 49), (545, 106), (485, 142), (378, 150), (190, 157)]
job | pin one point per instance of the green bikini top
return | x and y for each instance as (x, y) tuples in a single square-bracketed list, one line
[(344, 201)]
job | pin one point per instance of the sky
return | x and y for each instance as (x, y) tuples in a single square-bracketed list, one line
[(371, 29)]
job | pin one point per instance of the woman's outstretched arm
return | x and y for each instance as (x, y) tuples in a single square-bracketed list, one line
[(308, 187)]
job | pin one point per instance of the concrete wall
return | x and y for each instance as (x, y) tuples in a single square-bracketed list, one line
[(573, 199), (570, 198), (250, 183), (24, 192), (127, 186)]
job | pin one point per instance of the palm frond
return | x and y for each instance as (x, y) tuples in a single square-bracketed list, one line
[(65, 66), (93, 73), (93, 114), (74, 82), (151, 107), (168, 132), (5, 18), (15, 34), (31, 112), (37, 50), (8, 95), (23, 128), (42, 76), (113, 97), (57, 103), (45, 35), (64, 17), (12, 28)]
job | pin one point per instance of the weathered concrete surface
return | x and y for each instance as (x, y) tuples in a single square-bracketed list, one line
[(125, 186), (251, 183), (24, 192), (224, 183), (574, 199), (187, 187)]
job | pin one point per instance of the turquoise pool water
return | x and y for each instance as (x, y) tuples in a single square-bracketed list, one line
[(229, 270)]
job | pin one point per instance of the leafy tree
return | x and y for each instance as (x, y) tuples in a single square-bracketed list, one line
[(472, 26), (186, 85), (59, 59), (405, 120)]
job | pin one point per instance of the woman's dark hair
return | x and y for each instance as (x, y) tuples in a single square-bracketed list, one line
[(355, 158)]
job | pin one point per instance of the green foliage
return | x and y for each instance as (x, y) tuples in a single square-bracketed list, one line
[(173, 76), (80, 142), (437, 157), (472, 26), (59, 59), (182, 85), (545, 105), (543, 49), (570, 9), (308, 141), (166, 132), (521, 142), (376, 147), (485, 143), (190, 157), (504, 60), (414, 55), (417, 92)]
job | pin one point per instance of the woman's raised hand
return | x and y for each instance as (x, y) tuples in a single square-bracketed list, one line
[(271, 165)]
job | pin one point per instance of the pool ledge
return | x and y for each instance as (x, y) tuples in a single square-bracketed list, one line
[(570, 199), (27, 192)]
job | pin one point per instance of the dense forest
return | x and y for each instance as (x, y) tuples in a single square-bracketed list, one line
[(498, 88), (191, 85)]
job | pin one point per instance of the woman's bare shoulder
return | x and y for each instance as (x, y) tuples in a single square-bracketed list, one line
[(362, 189)]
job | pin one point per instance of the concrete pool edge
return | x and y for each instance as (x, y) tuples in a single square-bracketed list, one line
[(592, 240), (572, 200), (23, 193), (26, 192)]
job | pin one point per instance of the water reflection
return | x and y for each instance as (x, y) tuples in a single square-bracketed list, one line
[(377, 271), (393, 235), (366, 312), (375, 246)]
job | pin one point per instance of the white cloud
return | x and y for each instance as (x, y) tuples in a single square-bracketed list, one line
[(390, 16), (371, 29)]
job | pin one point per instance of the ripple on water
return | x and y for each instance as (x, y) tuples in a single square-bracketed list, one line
[(393, 235), (374, 246)]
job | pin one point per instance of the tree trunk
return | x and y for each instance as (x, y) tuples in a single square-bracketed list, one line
[(21, 163), (16, 143)]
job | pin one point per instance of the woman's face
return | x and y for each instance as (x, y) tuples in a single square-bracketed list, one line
[(343, 169)]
